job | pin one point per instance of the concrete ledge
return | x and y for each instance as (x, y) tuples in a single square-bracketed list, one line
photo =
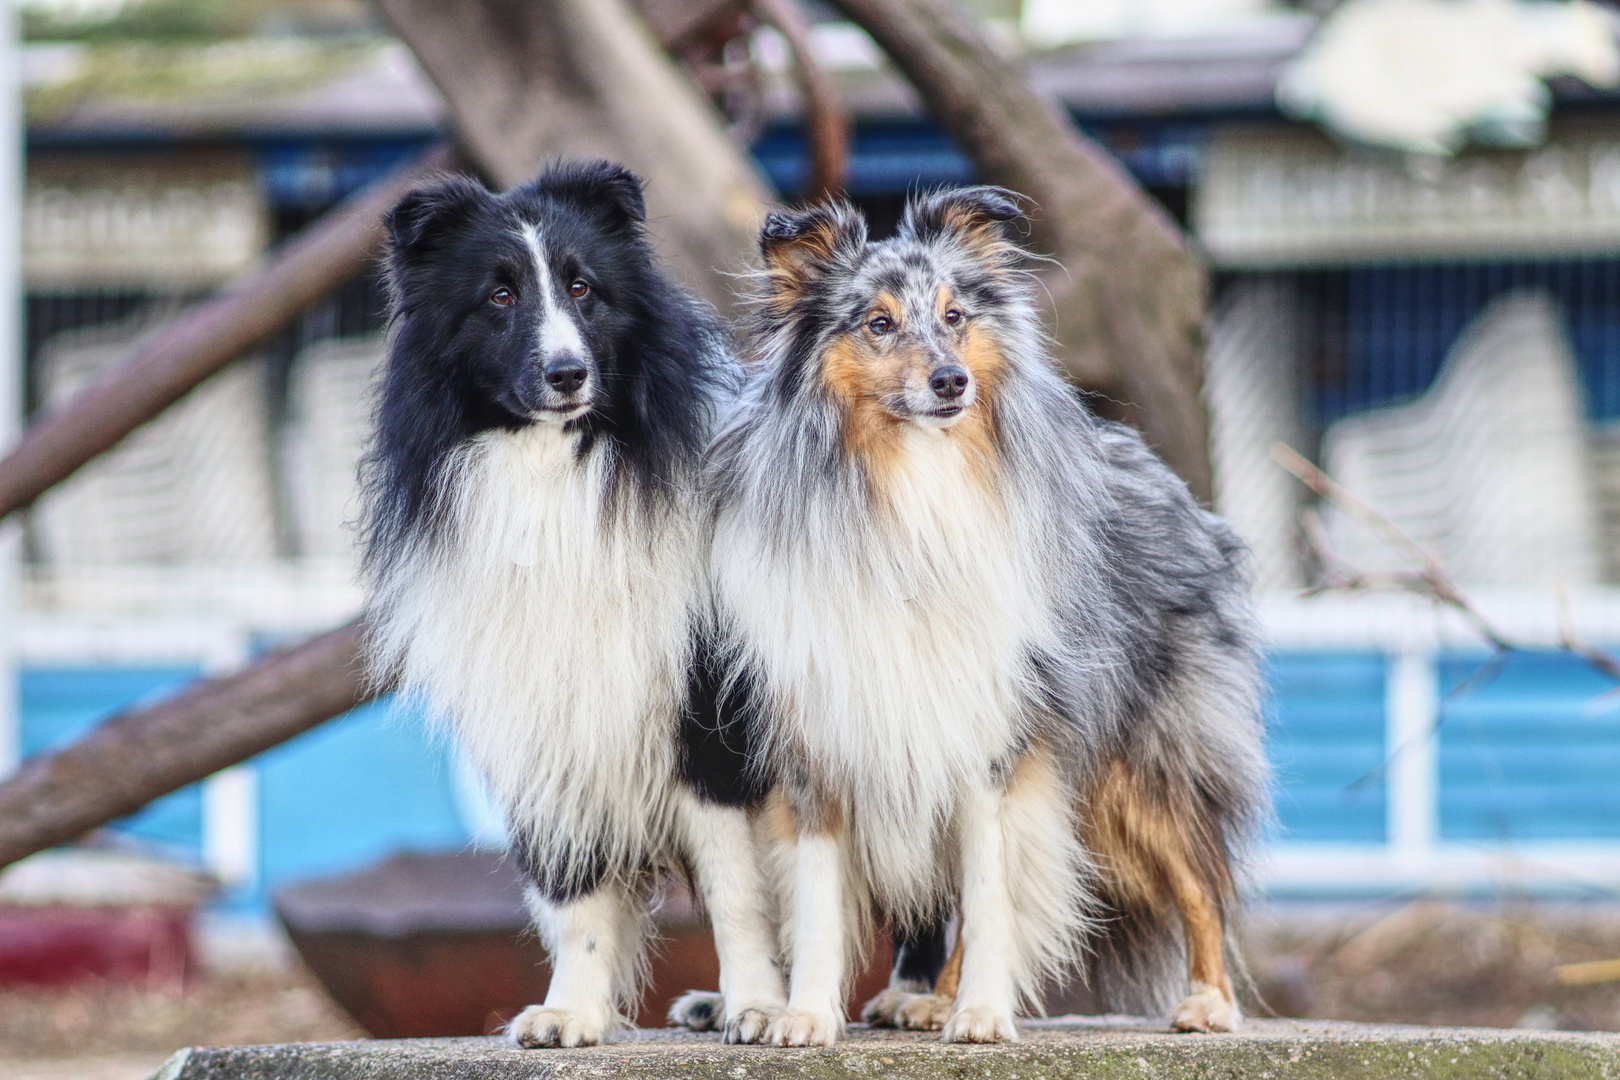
[(1097, 1048)]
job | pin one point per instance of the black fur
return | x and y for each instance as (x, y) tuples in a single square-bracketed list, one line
[(557, 881), (919, 953), (720, 731)]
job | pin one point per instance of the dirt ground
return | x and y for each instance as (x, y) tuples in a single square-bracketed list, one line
[(97, 1031), (1429, 962), (1422, 963)]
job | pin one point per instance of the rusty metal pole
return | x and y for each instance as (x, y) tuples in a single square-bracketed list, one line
[(163, 367), (826, 121)]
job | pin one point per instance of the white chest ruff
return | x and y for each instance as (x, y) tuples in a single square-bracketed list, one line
[(895, 659), (552, 639)]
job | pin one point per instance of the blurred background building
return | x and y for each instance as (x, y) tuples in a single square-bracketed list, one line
[(1436, 323)]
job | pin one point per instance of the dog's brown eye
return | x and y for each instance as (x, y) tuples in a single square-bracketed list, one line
[(953, 316), (579, 288), (502, 297), (880, 325)]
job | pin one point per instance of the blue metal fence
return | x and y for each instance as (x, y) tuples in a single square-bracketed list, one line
[(1382, 332)]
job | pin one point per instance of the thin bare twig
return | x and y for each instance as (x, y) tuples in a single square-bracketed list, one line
[(1430, 580)]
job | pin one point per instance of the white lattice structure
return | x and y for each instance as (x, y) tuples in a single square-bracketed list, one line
[(329, 413), (191, 487), (1251, 382), (1489, 470)]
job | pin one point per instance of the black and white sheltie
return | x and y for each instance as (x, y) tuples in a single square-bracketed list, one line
[(1000, 660), (534, 561)]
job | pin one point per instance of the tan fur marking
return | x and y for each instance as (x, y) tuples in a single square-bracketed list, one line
[(980, 235), (788, 263), (1152, 855), (950, 976), (785, 820), (859, 374), (977, 428), (776, 818), (853, 371), (1201, 923), (1036, 774)]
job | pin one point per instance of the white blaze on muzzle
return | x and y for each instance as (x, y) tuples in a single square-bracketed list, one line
[(559, 333)]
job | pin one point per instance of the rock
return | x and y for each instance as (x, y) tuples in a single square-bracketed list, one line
[(1096, 1048)]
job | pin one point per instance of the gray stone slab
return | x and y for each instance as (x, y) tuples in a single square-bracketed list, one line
[(1096, 1048)]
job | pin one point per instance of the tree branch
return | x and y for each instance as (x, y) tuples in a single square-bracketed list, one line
[(528, 80), (168, 364), (145, 753), (825, 119), (1429, 579)]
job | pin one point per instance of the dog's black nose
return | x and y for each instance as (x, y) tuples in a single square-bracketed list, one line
[(566, 376), (949, 382)]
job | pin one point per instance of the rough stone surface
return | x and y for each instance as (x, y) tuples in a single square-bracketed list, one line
[(1097, 1048)]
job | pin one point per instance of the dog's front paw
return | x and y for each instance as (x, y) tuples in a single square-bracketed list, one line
[(1206, 1009), (801, 1027), (539, 1026), (979, 1024), (750, 1023), (697, 1010), (881, 1010), (924, 1012)]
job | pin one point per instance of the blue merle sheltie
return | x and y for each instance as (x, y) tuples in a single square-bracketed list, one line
[(999, 659), (534, 559)]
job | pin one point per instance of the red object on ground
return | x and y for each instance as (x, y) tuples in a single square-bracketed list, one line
[(57, 944)]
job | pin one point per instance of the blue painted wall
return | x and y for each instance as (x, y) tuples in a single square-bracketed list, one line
[(1530, 752), (1325, 728), (336, 798)]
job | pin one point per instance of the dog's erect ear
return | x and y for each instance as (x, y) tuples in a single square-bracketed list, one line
[(974, 215), (802, 246), (427, 213), (598, 185)]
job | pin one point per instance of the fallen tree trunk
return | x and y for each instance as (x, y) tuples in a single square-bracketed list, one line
[(527, 81), (166, 365), (1129, 303), (142, 754)]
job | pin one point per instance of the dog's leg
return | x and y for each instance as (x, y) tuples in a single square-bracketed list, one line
[(984, 1000), (1211, 1005), (1165, 865), (815, 1012), (929, 1012), (919, 957), (720, 845), (595, 942)]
